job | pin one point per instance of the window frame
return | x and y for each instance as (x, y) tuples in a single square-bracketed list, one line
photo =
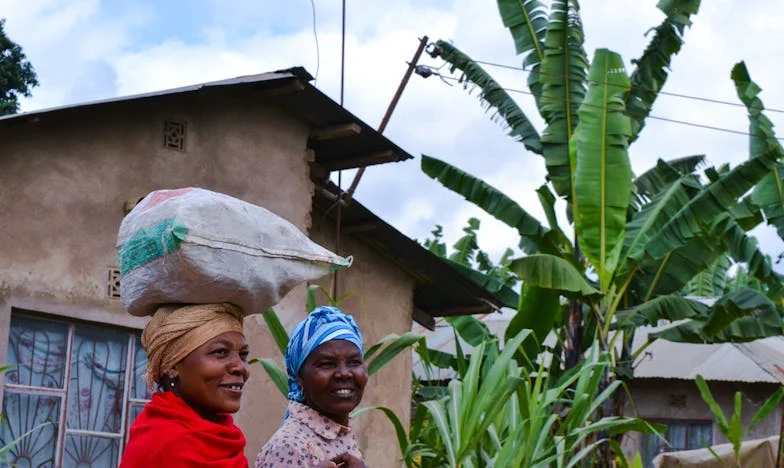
[(688, 423), (63, 393)]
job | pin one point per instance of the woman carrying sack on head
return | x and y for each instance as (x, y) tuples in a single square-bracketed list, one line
[(198, 359), (327, 376)]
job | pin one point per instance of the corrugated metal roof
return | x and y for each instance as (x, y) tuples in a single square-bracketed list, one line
[(662, 359), (723, 362), (258, 78), (289, 90)]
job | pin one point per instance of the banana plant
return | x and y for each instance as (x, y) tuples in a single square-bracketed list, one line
[(638, 240)]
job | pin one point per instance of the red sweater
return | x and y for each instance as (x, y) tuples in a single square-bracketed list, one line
[(170, 433)]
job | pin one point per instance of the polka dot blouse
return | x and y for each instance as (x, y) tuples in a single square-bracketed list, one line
[(305, 439)]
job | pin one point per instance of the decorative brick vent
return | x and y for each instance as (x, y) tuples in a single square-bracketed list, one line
[(174, 134), (678, 400), (113, 284)]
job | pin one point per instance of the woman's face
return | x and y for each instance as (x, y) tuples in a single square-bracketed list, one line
[(333, 379), (210, 379)]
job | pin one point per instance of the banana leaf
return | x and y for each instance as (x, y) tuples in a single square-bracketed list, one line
[(551, 272), (490, 199), (743, 249), (652, 68), (527, 22), (671, 307), (493, 95), (696, 217), (540, 311), (672, 272), (769, 193), (739, 316), (664, 173), (502, 292), (711, 282), (602, 174), (563, 74), (733, 305)]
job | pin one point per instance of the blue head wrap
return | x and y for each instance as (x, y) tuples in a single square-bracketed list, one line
[(322, 325)]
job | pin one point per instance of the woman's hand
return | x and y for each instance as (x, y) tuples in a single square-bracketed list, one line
[(347, 460)]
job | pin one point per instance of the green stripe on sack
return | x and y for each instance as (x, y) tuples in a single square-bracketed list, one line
[(150, 243)]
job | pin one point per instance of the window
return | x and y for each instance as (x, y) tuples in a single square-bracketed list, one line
[(681, 435), (74, 377)]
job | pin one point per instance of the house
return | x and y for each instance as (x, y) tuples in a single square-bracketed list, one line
[(663, 389), (69, 175)]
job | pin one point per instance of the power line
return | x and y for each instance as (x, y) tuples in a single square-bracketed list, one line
[(650, 116), (665, 93)]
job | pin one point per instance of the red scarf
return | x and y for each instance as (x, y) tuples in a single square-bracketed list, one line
[(170, 433)]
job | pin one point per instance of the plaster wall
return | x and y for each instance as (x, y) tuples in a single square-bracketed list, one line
[(66, 176)]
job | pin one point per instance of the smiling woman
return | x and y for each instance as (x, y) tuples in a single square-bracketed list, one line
[(327, 377), (198, 359)]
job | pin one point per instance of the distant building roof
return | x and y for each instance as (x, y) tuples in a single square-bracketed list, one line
[(339, 139)]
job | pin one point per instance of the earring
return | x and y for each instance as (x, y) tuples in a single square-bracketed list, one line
[(171, 384)]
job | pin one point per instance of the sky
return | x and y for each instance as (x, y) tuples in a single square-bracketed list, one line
[(84, 50)]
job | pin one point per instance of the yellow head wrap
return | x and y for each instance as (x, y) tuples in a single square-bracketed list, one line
[(175, 331)]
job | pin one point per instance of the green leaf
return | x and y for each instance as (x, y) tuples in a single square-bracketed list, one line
[(490, 199), (733, 306), (311, 300), (538, 311), (551, 272), (4, 450), (697, 216), (603, 176), (470, 329), (735, 426), (652, 68), (739, 316), (563, 74), (711, 282), (527, 21), (714, 407), (492, 95), (275, 374), (671, 307), (770, 404), (664, 173), (400, 431), (396, 345), (743, 249), (501, 291), (769, 193), (278, 332)]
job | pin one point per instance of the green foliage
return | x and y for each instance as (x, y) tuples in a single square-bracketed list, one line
[(471, 261), (732, 428), (637, 239), (498, 414), (17, 77)]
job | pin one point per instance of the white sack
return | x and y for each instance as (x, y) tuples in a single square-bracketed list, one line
[(194, 246)]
